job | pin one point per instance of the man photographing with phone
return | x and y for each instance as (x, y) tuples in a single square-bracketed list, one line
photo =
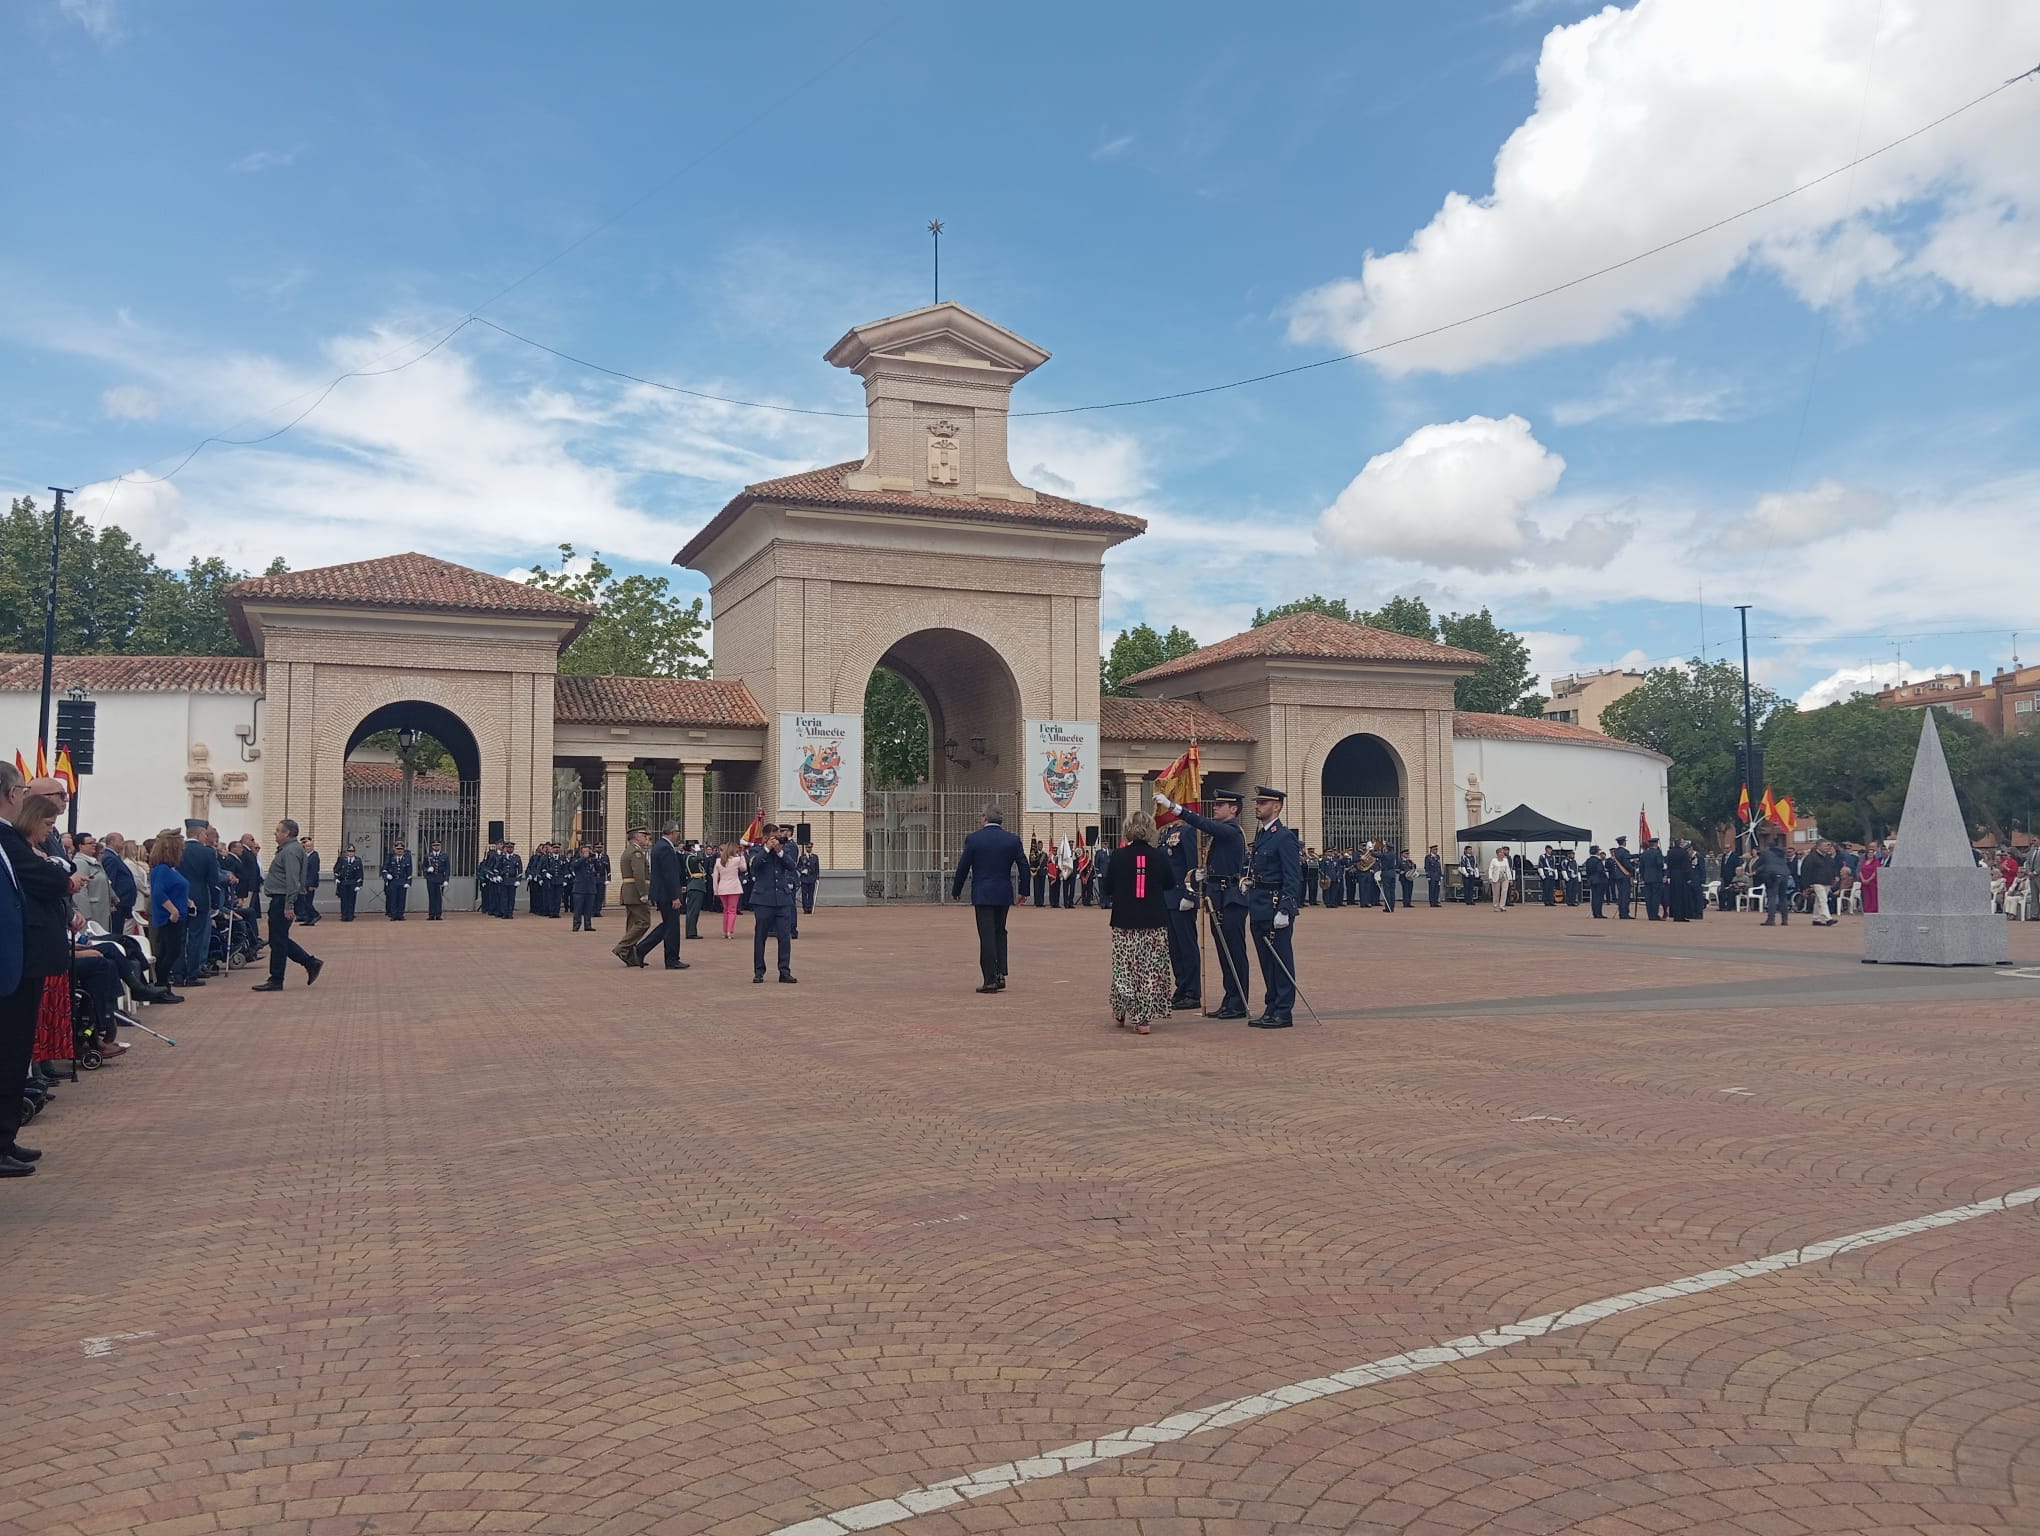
[(775, 887)]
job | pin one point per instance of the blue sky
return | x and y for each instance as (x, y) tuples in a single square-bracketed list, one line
[(1828, 410)]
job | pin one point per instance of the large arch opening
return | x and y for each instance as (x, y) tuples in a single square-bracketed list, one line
[(942, 732), (413, 772), (1361, 791)]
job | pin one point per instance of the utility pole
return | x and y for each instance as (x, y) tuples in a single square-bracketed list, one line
[(49, 621), (1749, 730), (935, 229)]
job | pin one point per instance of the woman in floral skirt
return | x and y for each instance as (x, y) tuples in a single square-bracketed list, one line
[(1136, 880)]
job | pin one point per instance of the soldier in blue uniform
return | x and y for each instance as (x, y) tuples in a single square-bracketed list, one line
[(437, 870), (1622, 877), (1225, 861), (511, 868), (347, 877), (1434, 874), (810, 876), (586, 888), (1276, 890), (1179, 847), (396, 881)]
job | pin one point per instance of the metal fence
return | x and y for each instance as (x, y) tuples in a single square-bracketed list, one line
[(728, 815), (1350, 820), (436, 809), (577, 815), (912, 838)]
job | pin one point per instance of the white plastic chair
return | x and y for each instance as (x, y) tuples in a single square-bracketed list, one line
[(1751, 899)]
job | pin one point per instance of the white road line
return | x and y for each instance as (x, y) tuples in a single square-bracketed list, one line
[(1241, 1410), (104, 1345)]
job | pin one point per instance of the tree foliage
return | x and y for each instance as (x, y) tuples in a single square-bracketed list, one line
[(112, 596), (1848, 765), (1403, 616), (1137, 649), (896, 738), (428, 754), (1504, 685), (1330, 607), (640, 628), (1693, 714)]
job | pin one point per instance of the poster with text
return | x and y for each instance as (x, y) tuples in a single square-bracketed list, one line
[(1061, 771), (821, 763)]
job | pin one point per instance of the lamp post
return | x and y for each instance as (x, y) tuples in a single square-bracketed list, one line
[(407, 740), (1749, 735)]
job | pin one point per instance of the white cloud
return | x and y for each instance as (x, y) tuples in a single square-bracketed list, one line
[(1653, 392), (1112, 148), (99, 18), (129, 402), (1461, 494), (1106, 468), (1847, 682), (1655, 119), (1791, 519), (264, 160)]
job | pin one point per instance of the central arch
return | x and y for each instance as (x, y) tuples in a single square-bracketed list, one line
[(974, 709), (381, 803), (1362, 789)]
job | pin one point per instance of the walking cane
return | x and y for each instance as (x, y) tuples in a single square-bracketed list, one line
[(138, 1024)]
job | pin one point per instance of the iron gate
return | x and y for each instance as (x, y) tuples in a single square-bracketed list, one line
[(377, 808), (912, 838), (1350, 820)]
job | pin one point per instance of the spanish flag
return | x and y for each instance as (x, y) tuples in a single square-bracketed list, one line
[(1742, 805), (1180, 781), (42, 762), (755, 832), (1784, 815), (65, 771), (1768, 806), (21, 763)]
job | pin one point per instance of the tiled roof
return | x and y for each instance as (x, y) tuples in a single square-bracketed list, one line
[(655, 701), (391, 776), (1479, 727), (1122, 719), (21, 673), (1315, 637), (825, 488), (408, 580)]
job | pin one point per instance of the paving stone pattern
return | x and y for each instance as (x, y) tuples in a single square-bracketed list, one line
[(487, 1234)]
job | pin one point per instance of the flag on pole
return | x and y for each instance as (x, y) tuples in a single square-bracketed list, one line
[(1784, 814), (65, 771), (1643, 832), (1742, 805), (755, 832), (21, 763), (1768, 806), (42, 761), (1180, 781)]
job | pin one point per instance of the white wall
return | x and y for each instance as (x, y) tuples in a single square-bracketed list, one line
[(1600, 788), (142, 747)]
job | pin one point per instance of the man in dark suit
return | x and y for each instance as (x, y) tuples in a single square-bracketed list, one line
[(200, 867), (668, 895), (308, 904), (994, 860), (775, 898)]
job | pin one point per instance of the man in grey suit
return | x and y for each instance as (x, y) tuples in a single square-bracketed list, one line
[(996, 863)]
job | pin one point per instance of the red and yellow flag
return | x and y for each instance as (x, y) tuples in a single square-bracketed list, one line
[(1783, 813), (42, 762), (1180, 781), (1643, 832), (1742, 805), (1768, 806), (21, 763), (755, 832), (65, 771)]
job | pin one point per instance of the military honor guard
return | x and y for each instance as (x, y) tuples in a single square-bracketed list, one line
[(810, 876), (1469, 876), (347, 877), (1179, 847), (1434, 875), (1275, 893), (585, 882), (775, 894), (696, 865), (396, 881), (1622, 878), (634, 890), (1225, 863), (438, 870), (1596, 872), (1037, 871)]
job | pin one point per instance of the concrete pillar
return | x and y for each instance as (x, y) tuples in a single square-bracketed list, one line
[(687, 789), (615, 814)]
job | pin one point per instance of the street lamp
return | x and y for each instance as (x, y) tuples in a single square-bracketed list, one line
[(407, 739)]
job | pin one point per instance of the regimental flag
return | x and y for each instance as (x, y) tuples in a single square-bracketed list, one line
[(1784, 815), (65, 771), (1768, 806), (1643, 832), (755, 832), (1742, 805), (1180, 781)]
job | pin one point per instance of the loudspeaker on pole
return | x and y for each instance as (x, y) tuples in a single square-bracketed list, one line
[(495, 831), (803, 833)]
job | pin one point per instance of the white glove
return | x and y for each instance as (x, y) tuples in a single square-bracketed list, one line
[(1281, 919), (1187, 904), (1165, 802)]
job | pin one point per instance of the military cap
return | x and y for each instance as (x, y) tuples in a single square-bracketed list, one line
[(1224, 796), (1263, 792), (633, 832)]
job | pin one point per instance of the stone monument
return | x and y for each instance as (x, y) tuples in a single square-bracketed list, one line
[(1934, 899)]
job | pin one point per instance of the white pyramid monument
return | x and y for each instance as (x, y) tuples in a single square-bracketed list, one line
[(1934, 899)]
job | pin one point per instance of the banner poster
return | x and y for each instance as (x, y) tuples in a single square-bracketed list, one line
[(821, 763), (1061, 768)]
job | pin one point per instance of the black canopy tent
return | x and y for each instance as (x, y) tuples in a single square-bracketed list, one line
[(1518, 827)]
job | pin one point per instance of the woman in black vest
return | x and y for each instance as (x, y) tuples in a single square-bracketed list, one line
[(1137, 878)]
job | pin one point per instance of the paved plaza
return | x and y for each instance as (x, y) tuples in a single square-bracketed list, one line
[(485, 1233)]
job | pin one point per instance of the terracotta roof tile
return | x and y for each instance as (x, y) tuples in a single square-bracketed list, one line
[(22, 673), (391, 776), (655, 701), (1473, 726), (408, 580), (825, 488), (1123, 719), (1316, 637)]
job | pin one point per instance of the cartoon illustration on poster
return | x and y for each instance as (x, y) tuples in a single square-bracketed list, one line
[(1062, 766), (821, 763)]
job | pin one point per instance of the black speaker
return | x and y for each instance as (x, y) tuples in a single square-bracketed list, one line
[(1090, 837), (803, 833), (495, 831)]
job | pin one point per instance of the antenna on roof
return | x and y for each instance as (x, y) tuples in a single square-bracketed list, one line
[(935, 229)]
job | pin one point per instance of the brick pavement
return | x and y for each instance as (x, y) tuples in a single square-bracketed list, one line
[(485, 1233)]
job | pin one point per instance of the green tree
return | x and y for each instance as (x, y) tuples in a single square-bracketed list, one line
[(2005, 781), (1137, 649), (1848, 765), (186, 613), (1504, 685), (896, 738), (1693, 714), (1404, 616), (425, 755), (1331, 607), (640, 628)]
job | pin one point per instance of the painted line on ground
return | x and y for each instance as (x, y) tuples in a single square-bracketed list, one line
[(103, 1345), (1242, 1410)]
